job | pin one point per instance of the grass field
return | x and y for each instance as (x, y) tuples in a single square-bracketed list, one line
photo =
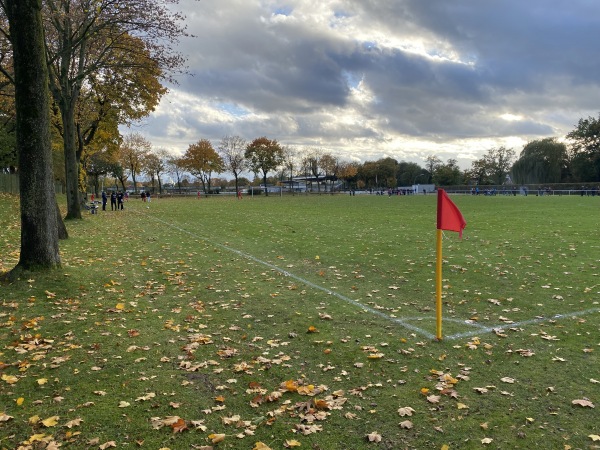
[(307, 322)]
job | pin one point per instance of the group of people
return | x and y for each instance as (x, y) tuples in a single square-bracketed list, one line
[(116, 200)]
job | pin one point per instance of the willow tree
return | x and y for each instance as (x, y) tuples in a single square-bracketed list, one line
[(91, 40), (39, 230)]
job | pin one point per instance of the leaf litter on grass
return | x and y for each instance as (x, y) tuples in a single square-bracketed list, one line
[(190, 341)]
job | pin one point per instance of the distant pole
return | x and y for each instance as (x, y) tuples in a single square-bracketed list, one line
[(438, 286)]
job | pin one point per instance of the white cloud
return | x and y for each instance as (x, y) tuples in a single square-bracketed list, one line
[(364, 78)]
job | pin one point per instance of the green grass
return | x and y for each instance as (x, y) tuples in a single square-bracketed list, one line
[(202, 309)]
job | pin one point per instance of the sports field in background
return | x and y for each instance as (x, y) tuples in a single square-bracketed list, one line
[(309, 320)]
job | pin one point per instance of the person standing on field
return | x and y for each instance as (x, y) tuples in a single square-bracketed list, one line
[(104, 201), (113, 201)]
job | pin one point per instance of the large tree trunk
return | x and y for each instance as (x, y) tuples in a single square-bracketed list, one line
[(39, 228), (74, 198)]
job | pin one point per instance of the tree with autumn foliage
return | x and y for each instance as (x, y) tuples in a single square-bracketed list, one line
[(133, 152), (264, 155), (201, 160), (109, 44), (348, 171)]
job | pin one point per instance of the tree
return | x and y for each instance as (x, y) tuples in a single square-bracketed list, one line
[(134, 150), (39, 228), (448, 174), (201, 160), (585, 146), (541, 161), (348, 172), (493, 168), (330, 166), (409, 173), (176, 166), (103, 38), (432, 163), (264, 155), (231, 149), (499, 162), (99, 164), (289, 165)]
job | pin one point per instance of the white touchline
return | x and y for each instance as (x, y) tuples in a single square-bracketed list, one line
[(480, 329)]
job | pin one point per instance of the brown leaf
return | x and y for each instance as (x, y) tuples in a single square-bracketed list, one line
[(433, 398), (585, 403), (179, 426), (374, 437), (407, 424)]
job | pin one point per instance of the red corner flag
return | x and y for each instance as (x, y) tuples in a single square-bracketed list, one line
[(449, 216)]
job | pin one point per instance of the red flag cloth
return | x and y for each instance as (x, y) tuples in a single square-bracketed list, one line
[(449, 216)]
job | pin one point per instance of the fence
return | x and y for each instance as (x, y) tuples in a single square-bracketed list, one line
[(9, 183)]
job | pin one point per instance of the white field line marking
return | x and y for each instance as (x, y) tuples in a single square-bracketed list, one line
[(481, 329), (523, 323), (400, 322)]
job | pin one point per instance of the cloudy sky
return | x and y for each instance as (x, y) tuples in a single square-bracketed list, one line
[(365, 79)]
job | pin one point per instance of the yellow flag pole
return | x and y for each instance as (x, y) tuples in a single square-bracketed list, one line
[(438, 286)]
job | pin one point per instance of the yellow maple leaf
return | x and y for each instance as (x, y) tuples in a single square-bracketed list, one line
[(40, 437), (291, 385), (216, 438), (445, 447), (291, 443), (261, 446), (461, 406), (10, 379), (42, 381), (50, 421), (19, 401), (120, 306)]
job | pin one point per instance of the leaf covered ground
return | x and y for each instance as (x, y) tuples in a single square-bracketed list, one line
[(306, 322)]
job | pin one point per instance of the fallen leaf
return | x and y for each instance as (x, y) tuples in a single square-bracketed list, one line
[(374, 437), (107, 445), (50, 421), (179, 426), (594, 437), (216, 438), (407, 424), (261, 446), (433, 398), (507, 380), (486, 441), (584, 403), (74, 423), (5, 417), (291, 443), (406, 411), (10, 379)]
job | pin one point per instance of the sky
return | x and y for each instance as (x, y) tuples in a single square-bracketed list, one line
[(369, 79)]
